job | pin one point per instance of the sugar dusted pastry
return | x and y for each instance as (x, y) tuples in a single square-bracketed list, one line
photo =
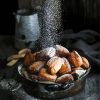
[(61, 51), (85, 63), (35, 56), (36, 66), (45, 76), (28, 59), (51, 65), (79, 72), (65, 78), (66, 67), (46, 53), (54, 65), (75, 59)]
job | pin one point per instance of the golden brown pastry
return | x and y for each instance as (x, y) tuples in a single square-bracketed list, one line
[(36, 66), (65, 78), (12, 62), (54, 65), (24, 51), (28, 59), (45, 76), (75, 59), (61, 51), (51, 65), (65, 68), (15, 57), (85, 64), (34, 56)]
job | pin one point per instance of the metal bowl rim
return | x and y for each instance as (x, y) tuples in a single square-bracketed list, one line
[(48, 82)]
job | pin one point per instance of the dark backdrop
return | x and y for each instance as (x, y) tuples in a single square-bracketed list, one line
[(81, 14), (77, 15), (7, 20)]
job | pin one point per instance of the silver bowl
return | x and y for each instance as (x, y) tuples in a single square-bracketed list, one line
[(51, 90)]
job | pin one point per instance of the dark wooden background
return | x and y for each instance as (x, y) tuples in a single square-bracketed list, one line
[(81, 14), (7, 20), (77, 14)]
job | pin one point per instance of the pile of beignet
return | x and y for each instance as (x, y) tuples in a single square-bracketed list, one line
[(55, 64)]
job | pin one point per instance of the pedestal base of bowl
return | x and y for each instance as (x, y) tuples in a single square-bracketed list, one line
[(41, 90)]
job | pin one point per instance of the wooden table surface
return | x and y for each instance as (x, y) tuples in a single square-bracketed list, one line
[(91, 90)]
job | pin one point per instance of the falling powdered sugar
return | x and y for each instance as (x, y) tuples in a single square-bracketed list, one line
[(50, 23)]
